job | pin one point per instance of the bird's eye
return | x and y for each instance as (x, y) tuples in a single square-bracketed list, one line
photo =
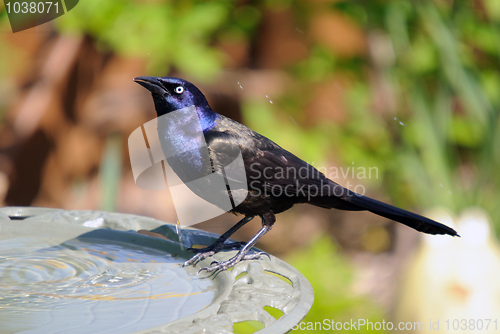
[(179, 90)]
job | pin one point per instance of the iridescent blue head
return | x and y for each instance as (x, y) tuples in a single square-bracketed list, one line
[(170, 94)]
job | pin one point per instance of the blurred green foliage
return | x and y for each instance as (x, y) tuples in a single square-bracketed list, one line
[(110, 172), (330, 275), (168, 33)]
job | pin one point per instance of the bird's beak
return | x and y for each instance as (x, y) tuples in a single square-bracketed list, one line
[(152, 84)]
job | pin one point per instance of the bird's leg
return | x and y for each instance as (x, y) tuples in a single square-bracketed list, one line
[(268, 220), (219, 244)]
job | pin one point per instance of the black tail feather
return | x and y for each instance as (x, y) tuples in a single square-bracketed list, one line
[(410, 219)]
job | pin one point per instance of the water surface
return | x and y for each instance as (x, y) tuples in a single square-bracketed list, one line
[(87, 285)]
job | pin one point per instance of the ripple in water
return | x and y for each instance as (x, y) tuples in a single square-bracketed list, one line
[(86, 285)]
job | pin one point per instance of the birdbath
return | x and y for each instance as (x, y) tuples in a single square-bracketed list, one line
[(91, 272)]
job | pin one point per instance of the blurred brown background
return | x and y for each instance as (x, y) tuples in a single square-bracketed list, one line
[(410, 89)]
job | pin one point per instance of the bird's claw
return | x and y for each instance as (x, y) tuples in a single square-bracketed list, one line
[(203, 253), (198, 257), (225, 265)]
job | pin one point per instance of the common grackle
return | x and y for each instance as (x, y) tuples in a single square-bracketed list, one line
[(275, 178)]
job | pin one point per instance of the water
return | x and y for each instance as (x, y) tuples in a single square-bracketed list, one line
[(178, 230), (93, 285)]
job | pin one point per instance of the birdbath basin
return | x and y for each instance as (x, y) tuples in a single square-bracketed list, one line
[(92, 272)]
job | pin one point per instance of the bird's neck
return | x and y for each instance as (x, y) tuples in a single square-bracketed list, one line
[(207, 117), (180, 137), (182, 130)]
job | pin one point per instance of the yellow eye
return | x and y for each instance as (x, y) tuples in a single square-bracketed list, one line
[(179, 90)]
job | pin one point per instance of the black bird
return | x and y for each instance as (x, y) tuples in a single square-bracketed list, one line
[(275, 178)]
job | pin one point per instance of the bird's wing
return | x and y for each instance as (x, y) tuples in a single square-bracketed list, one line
[(265, 162), (226, 156)]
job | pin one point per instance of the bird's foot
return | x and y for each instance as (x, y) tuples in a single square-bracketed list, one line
[(203, 253), (224, 265)]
